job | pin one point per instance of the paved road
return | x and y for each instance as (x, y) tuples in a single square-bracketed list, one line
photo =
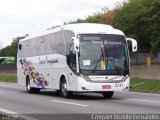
[(14, 99)]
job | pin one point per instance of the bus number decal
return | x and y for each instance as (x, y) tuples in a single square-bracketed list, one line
[(119, 85)]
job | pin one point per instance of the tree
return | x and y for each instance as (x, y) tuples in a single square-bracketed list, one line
[(140, 19), (105, 16), (11, 50)]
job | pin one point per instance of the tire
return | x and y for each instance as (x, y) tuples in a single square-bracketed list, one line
[(108, 94), (31, 89), (63, 89), (58, 92)]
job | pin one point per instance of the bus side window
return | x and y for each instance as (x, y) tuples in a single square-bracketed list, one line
[(60, 43), (41, 46), (34, 47), (27, 49), (68, 35), (72, 58)]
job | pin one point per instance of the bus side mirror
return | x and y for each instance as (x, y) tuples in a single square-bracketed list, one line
[(134, 44), (20, 46), (76, 44)]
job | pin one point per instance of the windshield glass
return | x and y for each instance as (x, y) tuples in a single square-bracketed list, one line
[(103, 52)]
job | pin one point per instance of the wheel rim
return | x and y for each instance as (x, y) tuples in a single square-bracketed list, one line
[(28, 86), (64, 88)]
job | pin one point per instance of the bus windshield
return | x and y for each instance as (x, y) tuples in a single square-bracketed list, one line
[(103, 52)]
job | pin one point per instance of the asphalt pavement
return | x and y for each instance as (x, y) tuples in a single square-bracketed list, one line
[(48, 105)]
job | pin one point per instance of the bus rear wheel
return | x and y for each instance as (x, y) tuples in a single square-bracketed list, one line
[(31, 89), (63, 89), (108, 94)]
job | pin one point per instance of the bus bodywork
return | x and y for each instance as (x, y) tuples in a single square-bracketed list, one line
[(76, 58)]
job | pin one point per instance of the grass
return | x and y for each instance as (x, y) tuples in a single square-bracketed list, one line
[(145, 85), (8, 78)]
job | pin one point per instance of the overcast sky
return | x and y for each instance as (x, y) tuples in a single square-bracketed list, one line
[(20, 17)]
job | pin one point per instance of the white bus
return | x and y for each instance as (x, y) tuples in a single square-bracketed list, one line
[(83, 57)]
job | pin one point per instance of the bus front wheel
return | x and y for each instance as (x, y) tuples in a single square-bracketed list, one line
[(108, 94), (31, 89), (64, 92)]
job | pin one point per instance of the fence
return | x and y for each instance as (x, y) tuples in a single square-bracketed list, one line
[(8, 67), (140, 57)]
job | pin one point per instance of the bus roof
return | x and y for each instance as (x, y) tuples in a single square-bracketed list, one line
[(81, 28)]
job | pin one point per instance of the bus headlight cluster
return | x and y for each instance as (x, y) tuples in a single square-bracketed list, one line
[(85, 77), (125, 77)]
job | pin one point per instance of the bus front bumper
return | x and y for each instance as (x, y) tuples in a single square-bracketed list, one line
[(85, 86)]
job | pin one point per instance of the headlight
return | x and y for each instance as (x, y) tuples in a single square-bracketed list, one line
[(125, 77), (85, 77)]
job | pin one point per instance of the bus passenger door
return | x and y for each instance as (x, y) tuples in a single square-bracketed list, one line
[(71, 61)]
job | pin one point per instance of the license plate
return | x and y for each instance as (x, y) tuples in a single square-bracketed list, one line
[(106, 86)]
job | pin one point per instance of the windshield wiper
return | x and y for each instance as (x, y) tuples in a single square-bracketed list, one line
[(102, 55), (106, 58)]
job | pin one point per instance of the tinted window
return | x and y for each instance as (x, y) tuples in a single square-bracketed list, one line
[(51, 45), (41, 46), (34, 47), (60, 43), (27, 48), (68, 35)]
